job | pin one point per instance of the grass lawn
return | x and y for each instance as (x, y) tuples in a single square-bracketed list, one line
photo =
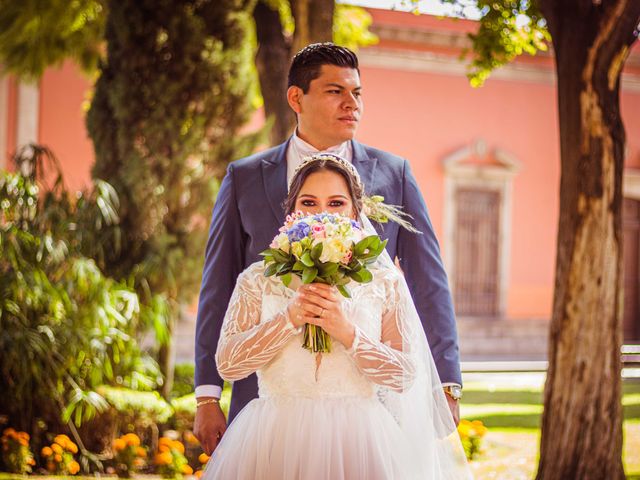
[(510, 405)]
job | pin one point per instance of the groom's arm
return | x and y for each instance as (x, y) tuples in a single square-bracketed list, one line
[(419, 257), (224, 260)]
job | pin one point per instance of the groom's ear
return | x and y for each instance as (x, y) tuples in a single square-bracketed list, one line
[(294, 97)]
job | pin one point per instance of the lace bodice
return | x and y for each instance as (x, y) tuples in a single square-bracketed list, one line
[(257, 336)]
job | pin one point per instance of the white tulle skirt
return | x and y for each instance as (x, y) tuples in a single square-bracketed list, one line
[(295, 438)]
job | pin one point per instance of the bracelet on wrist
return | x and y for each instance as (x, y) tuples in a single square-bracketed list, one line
[(207, 402)]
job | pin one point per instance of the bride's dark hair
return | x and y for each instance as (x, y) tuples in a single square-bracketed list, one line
[(355, 188)]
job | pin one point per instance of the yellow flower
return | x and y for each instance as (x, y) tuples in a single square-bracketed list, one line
[(187, 470), (56, 448), (74, 467), (46, 451), (178, 446), (203, 458), (119, 444)]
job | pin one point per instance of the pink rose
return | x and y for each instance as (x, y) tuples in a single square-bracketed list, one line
[(318, 231)]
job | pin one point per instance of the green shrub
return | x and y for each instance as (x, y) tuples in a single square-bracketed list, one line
[(65, 327)]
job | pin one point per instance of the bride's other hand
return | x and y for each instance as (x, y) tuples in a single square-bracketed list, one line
[(321, 305)]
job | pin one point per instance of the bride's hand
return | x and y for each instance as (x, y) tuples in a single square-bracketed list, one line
[(321, 305)]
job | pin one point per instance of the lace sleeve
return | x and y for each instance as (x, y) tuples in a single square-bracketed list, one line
[(246, 344), (386, 362)]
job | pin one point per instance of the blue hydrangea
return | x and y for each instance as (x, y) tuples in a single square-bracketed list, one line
[(298, 232)]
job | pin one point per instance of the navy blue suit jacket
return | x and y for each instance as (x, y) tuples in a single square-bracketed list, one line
[(246, 217)]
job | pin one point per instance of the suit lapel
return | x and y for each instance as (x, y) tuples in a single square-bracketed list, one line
[(364, 164), (274, 177)]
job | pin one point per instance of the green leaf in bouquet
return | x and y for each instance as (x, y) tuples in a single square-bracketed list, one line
[(280, 256), (342, 280), (298, 266), (362, 245), (361, 276), (268, 259), (286, 279), (309, 274), (306, 259), (316, 251), (342, 289), (271, 269), (283, 268), (268, 251), (328, 269)]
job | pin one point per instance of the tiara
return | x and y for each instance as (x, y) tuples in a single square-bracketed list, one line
[(329, 157)]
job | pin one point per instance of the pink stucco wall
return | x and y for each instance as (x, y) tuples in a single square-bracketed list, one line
[(63, 92)]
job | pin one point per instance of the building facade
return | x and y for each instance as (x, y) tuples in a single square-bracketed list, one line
[(487, 161)]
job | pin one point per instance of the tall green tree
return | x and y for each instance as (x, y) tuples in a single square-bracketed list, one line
[(168, 105), (582, 420), (174, 89)]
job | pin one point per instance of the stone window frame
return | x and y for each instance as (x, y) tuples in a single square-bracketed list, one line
[(497, 176)]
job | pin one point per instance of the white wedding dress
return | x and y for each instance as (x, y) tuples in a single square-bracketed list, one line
[(338, 416)]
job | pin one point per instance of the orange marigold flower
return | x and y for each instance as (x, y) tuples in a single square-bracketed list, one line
[(51, 466), (46, 451), (141, 452), (178, 446), (163, 448), (164, 458), (23, 442), (72, 447), (58, 458), (187, 470), (31, 461), (8, 432), (57, 448), (74, 467), (132, 439), (119, 444), (198, 473), (24, 435), (165, 441), (190, 438), (203, 458)]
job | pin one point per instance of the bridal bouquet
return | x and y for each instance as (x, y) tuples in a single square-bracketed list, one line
[(323, 248)]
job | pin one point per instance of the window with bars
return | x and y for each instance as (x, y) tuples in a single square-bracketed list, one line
[(477, 233)]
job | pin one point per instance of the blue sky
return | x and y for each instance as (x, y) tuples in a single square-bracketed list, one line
[(433, 7)]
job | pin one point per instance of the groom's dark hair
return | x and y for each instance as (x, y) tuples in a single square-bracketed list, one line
[(306, 64)]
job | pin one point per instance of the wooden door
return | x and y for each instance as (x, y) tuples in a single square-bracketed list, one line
[(476, 282), (631, 238)]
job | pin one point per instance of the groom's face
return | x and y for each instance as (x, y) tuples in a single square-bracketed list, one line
[(329, 112)]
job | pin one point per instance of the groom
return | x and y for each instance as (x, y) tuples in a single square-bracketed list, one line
[(325, 93)]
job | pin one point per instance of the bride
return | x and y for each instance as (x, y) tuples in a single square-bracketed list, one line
[(371, 409)]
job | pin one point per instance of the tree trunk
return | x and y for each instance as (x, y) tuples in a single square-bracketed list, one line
[(272, 62), (582, 419), (313, 23)]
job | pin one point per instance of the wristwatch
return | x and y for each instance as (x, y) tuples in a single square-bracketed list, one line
[(454, 391)]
